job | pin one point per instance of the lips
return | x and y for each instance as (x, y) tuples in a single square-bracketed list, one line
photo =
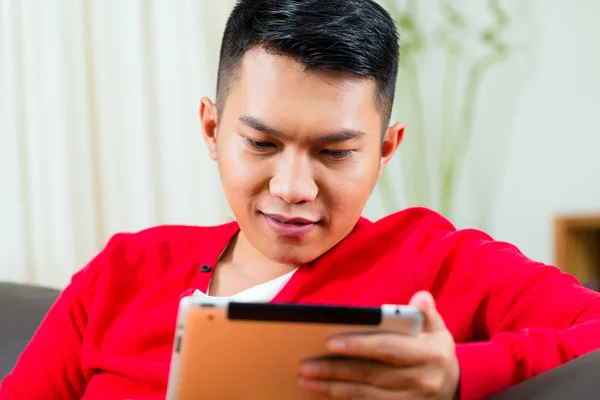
[(286, 220), (289, 226)]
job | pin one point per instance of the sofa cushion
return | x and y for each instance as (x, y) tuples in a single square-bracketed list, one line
[(22, 308)]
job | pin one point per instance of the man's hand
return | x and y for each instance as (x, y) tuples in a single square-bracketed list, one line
[(388, 366)]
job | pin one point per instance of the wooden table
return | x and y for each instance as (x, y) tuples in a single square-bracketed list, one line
[(577, 246)]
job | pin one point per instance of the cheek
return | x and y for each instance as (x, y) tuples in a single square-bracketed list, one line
[(347, 191), (241, 175)]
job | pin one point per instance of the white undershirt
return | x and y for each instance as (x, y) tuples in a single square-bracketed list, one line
[(262, 293)]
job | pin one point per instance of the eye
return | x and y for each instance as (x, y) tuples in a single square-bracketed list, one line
[(261, 146), (337, 154)]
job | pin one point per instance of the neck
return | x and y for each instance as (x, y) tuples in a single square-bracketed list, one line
[(246, 258)]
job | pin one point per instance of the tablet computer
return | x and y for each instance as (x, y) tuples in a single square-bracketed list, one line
[(229, 350)]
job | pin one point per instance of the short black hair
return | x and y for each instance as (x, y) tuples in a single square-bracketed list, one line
[(357, 36)]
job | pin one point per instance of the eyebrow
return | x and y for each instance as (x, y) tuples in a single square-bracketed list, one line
[(339, 136)]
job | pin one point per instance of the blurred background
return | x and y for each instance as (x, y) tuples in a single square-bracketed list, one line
[(99, 131)]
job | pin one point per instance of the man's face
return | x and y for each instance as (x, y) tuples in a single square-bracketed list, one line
[(299, 153)]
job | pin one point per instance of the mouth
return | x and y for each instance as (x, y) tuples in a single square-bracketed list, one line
[(289, 220), (289, 226)]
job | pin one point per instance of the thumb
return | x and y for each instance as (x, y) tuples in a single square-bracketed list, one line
[(424, 301)]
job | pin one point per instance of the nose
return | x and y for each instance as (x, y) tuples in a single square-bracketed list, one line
[(293, 181)]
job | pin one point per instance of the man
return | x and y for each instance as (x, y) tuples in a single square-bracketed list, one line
[(300, 131)]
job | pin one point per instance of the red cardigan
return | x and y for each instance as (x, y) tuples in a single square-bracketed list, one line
[(110, 333)]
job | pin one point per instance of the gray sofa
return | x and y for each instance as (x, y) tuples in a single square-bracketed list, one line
[(22, 308)]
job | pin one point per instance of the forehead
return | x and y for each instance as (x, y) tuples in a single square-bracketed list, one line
[(282, 92)]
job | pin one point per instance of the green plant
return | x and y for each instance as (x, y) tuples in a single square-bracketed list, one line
[(457, 112), (414, 168)]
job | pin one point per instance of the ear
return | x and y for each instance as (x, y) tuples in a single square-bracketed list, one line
[(391, 140), (209, 121)]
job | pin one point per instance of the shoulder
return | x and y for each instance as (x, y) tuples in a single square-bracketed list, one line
[(417, 224), (175, 238), (162, 248), (143, 258), (417, 218), (422, 233), (441, 250)]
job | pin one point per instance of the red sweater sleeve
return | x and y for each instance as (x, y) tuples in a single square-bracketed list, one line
[(54, 353), (526, 318)]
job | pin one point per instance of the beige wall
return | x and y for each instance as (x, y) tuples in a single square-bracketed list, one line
[(536, 145)]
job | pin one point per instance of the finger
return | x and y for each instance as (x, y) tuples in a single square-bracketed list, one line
[(348, 390), (352, 370), (425, 302), (366, 372), (385, 347)]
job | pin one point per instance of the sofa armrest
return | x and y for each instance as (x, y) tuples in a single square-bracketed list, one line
[(578, 379)]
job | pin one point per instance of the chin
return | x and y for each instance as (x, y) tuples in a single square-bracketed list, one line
[(285, 256)]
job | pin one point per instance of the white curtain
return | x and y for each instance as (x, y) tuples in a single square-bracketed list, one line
[(99, 128)]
